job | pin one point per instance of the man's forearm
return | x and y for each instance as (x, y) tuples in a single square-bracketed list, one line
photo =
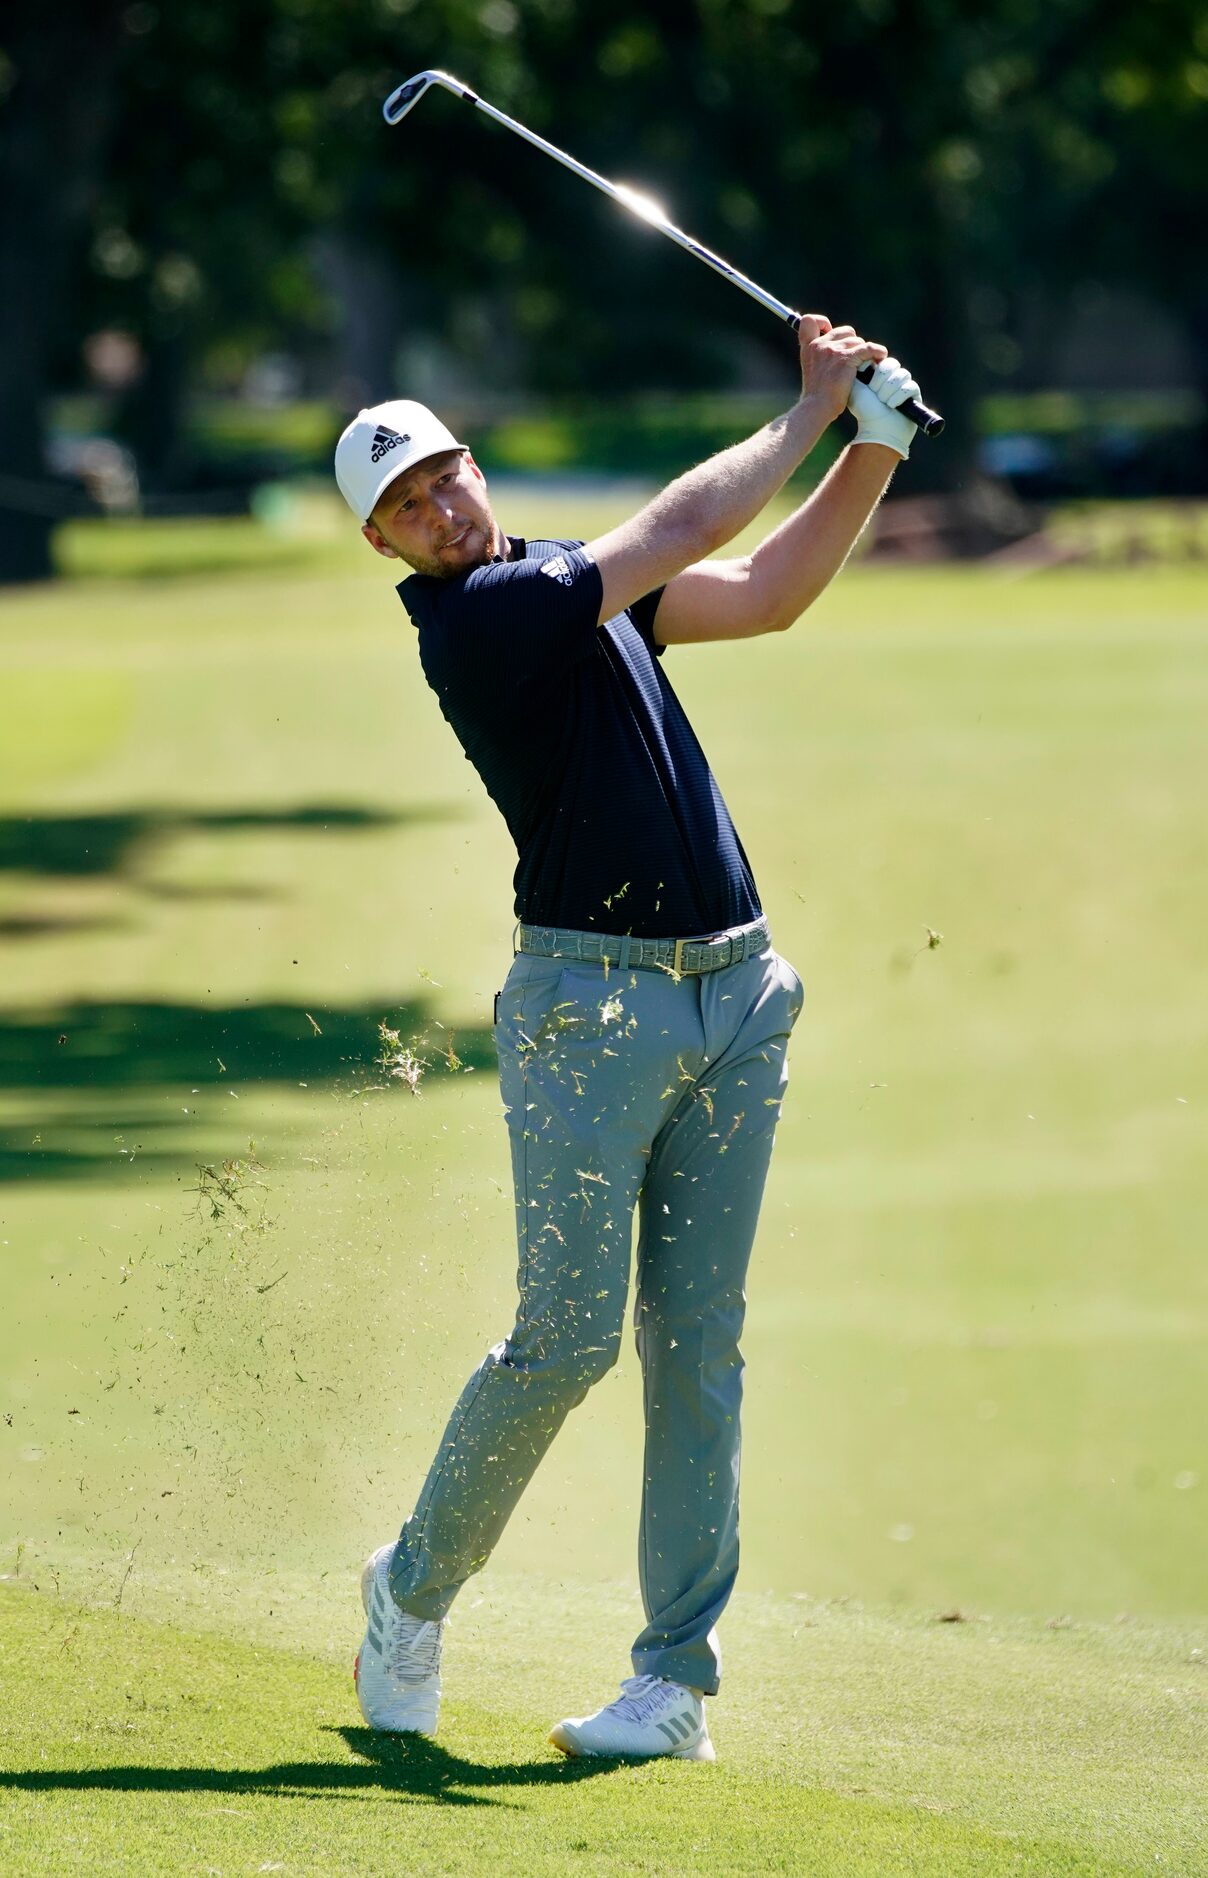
[(702, 511), (712, 503), (790, 569)]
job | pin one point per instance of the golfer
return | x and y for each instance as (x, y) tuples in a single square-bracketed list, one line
[(643, 1026)]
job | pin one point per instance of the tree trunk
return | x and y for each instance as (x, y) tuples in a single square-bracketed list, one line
[(1197, 466), (150, 417), (365, 282), (52, 127)]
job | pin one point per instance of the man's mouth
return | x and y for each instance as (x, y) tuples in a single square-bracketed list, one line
[(455, 541)]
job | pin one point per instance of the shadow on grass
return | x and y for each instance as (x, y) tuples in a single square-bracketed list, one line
[(50, 925), (134, 1045), (393, 1764), (88, 845), (139, 1067), (166, 1053)]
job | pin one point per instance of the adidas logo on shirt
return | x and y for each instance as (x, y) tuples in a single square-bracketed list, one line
[(386, 439), (558, 570)]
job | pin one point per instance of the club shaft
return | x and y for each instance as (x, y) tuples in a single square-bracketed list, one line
[(685, 241), (929, 422)]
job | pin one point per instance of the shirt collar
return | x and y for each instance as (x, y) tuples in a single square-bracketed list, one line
[(517, 545)]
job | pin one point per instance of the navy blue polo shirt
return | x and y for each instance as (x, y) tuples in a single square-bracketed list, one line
[(582, 744)]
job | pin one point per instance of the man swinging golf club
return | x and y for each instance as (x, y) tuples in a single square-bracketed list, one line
[(643, 1026)]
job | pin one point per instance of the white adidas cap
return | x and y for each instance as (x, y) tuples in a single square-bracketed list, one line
[(380, 444)]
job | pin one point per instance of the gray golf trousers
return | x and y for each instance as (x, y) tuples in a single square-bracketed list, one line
[(622, 1088)]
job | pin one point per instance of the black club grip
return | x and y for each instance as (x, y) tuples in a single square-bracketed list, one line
[(930, 423)]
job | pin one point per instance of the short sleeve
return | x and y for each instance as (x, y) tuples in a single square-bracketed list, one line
[(514, 622), (642, 614)]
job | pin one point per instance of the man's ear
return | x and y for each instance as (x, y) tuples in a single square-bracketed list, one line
[(377, 540), (474, 469)]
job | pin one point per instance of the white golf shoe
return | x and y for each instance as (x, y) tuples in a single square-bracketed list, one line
[(397, 1671), (650, 1716)]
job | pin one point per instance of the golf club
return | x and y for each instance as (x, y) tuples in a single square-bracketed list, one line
[(406, 96)]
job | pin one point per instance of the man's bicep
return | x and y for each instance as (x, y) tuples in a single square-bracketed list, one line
[(634, 559), (711, 600)]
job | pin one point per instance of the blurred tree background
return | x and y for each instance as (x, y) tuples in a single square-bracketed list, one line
[(202, 203)]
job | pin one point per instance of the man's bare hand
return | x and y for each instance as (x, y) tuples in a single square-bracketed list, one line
[(830, 359)]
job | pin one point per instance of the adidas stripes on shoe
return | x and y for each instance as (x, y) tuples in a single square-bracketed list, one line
[(650, 1716), (397, 1670)]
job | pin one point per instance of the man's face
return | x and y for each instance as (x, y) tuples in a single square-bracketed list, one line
[(436, 517)]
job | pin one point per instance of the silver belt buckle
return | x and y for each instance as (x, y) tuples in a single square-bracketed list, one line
[(677, 961)]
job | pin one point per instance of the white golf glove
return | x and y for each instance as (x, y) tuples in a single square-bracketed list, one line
[(872, 406)]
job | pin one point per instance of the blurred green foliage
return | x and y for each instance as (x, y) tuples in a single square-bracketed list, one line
[(944, 175), (889, 157)]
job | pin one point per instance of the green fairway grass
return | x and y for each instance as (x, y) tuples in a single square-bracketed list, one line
[(858, 1746), (235, 836)]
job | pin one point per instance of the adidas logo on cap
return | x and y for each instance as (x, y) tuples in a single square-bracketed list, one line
[(386, 439)]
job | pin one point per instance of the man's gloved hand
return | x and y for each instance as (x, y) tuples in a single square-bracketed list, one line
[(872, 407)]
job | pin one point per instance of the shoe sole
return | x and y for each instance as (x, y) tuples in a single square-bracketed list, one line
[(367, 1572)]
